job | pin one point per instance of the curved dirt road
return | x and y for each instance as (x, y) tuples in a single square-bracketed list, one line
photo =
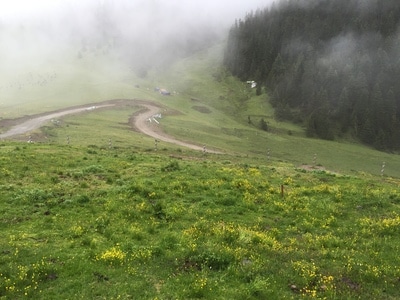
[(141, 123)]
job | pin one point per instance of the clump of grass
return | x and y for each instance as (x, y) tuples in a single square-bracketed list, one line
[(172, 166)]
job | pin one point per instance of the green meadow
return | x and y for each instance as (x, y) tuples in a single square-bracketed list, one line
[(124, 223), (91, 210)]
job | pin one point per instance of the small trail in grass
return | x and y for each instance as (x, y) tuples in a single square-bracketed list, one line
[(141, 121)]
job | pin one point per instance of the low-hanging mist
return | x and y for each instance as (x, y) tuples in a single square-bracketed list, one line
[(140, 33), (58, 53)]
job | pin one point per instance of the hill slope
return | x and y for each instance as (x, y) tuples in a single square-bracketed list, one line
[(117, 223), (91, 210), (209, 107)]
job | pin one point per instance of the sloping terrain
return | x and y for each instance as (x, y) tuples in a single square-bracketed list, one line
[(89, 222)]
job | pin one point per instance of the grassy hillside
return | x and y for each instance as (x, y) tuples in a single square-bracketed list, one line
[(120, 223), (83, 217), (207, 106)]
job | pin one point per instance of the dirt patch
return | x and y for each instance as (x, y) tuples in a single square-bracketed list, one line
[(312, 168), (202, 109)]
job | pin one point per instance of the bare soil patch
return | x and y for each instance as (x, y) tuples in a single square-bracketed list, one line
[(312, 168), (202, 109)]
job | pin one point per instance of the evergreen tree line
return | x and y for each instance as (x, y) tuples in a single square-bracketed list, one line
[(333, 65)]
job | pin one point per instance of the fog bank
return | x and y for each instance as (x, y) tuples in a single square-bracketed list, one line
[(141, 29)]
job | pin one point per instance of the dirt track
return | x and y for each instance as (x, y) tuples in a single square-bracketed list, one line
[(141, 122), (36, 122), (143, 125)]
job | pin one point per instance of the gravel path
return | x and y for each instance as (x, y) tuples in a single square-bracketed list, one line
[(141, 123), (37, 122)]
